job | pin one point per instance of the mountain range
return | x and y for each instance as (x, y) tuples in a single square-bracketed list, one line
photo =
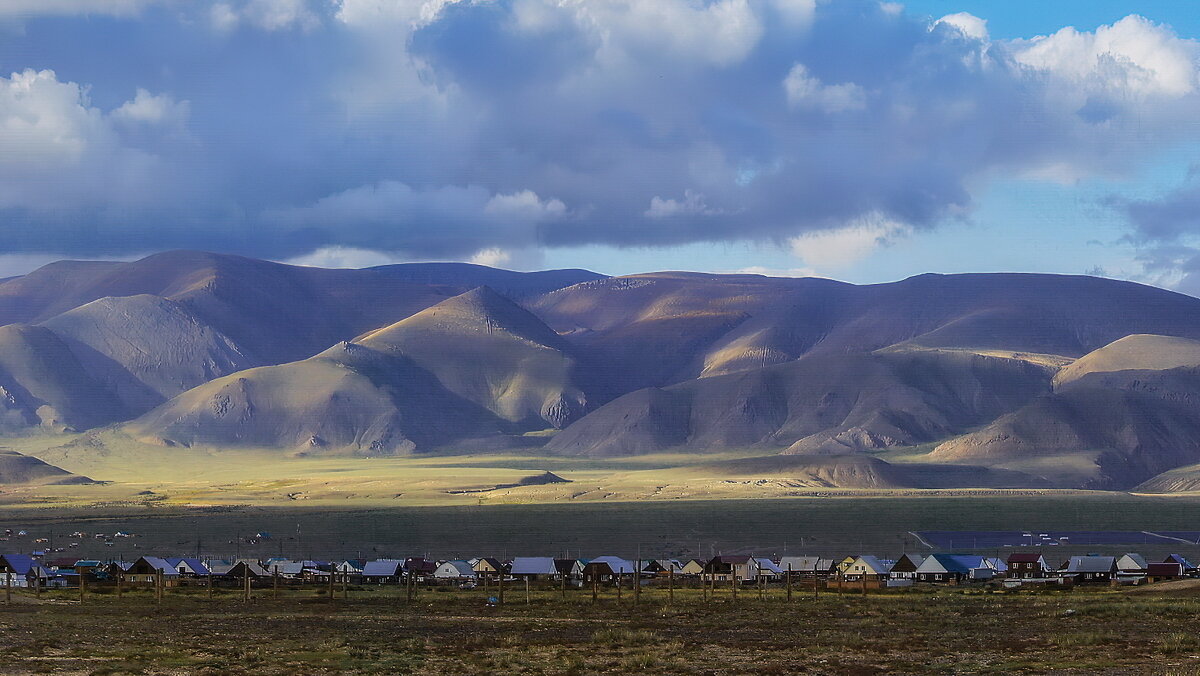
[(1018, 380)]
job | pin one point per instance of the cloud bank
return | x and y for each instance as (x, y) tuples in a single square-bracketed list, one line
[(460, 129)]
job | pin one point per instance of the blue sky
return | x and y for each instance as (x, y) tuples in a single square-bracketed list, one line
[(854, 139)]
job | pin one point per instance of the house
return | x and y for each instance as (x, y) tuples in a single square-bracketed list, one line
[(16, 569), (1090, 570), (189, 567), (767, 569), (867, 567), (1188, 567), (660, 567), (906, 566), (488, 567), (419, 567), (383, 571), (1158, 572), (455, 571), (87, 567), (247, 568), (350, 566), (808, 567), (693, 567), (533, 567), (1028, 566), (726, 568), (607, 569), (1131, 565), (571, 569), (954, 568), (146, 571)]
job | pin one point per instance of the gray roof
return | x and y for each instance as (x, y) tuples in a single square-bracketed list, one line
[(1138, 561), (1091, 564), (382, 567), (462, 568), (161, 564), (533, 565), (615, 563)]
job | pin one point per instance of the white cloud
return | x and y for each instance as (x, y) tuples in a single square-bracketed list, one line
[(59, 152), (968, 24), (525, 205), (344, 257), (841, 247), (1132, 55), (509, 259), (155, 109), (803, 90), (773, 272)]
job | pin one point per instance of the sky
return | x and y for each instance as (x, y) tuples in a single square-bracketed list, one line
[(860, 140)]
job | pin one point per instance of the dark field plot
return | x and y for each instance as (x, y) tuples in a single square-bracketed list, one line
[(454, 632), (826, 526), (951, 540)]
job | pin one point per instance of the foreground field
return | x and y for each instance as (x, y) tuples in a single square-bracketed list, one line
[(377, 631)]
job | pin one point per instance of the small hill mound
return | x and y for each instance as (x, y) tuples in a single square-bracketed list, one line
[(1139, 352), (858, 471), (19, 469)]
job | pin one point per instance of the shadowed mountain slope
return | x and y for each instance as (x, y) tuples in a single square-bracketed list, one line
[(486, 349), (658, 329), (1132, 424), (349, 398), (146, 349), (831, 405), (476, 365)]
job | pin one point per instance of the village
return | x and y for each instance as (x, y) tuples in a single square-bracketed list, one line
[(721, 573)]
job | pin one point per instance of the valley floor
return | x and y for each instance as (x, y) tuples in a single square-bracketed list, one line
[(377, 631)]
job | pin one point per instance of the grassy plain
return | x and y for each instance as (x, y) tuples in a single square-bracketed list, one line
[(376, 631), (826, 526)]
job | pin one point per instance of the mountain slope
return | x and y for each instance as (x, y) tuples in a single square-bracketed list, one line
[(42, 383), (275, 312), (487, 350), (349, 398), (1131, 424), (659, 329), (146, 349), (831, 405)]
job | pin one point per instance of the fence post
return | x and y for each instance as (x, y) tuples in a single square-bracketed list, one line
[(245, 582), (275, 581), (789, 583), (564, 586), (526, 590), (7, 587), (733, 581), (82, 584), (331, 582), (500, 587), (595, 589), (637, 582), (120, 577), (210, 582), (345, 587), (671, 584)]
